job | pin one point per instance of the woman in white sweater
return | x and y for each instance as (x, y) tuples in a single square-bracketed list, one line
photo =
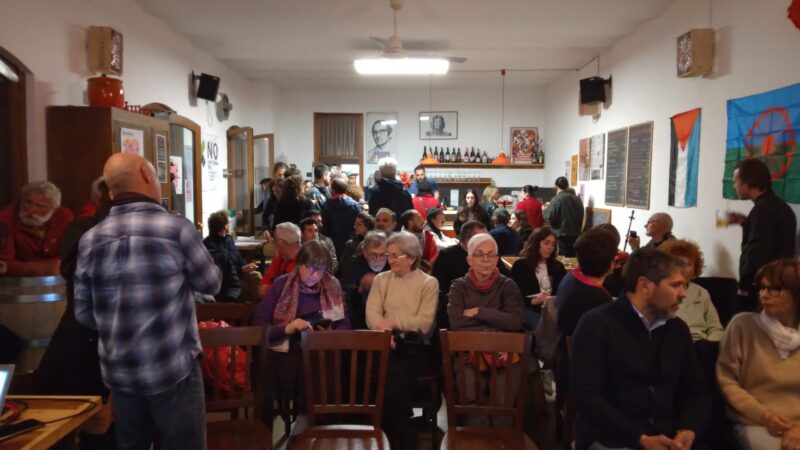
[(759, 363), (404, 301)]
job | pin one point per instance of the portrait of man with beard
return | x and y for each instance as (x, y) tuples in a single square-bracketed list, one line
[(31, 231)]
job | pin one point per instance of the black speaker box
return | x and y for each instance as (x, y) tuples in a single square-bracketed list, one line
[(593, 90), (207, 87)]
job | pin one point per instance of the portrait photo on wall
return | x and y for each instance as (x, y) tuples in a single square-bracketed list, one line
[(523, 144), (438, 125), (381, 136)]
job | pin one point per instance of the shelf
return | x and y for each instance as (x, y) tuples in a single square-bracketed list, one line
[(482, 166), (456, 181)]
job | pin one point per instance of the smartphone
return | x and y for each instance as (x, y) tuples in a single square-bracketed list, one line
[(323, 323), (634, 234), (14, 429)]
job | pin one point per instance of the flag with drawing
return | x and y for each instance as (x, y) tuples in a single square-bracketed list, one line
[(764, 126)]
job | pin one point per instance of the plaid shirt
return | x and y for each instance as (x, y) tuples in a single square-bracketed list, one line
[(134, 282)]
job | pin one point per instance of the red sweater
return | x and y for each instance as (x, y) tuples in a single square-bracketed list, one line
[(533, 209), (28, 251)]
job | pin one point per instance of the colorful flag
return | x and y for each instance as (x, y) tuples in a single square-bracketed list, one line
[(684, 159), (763, 126)]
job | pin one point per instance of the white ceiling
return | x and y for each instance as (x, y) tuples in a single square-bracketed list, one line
[(300, 44)]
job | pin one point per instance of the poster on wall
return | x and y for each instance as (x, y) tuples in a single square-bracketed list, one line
[(584, 159), (523, 144), (765, 126), (567, 168), (573, 173), (210, 161), (684, 158), (381, 136), (161, 158), (438, 125), (597, 156), (131, 141), (176, 173)]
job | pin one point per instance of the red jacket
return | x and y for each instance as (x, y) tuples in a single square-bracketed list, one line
[(278, 267), (430, 251), (24, 250), (533, 209), (423, 202)]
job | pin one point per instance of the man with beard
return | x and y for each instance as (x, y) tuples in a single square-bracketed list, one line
[(634, 377), (413, 223), (31, 231)]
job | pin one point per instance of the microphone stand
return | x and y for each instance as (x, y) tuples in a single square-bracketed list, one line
[(627, 235)]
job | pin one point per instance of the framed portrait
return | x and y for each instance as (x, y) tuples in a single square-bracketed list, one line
[(523, 144), (380, 136), (434, 125), (596, 216)]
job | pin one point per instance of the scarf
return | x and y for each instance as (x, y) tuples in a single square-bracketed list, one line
[(786, 339), (485, 285), (330, 298)]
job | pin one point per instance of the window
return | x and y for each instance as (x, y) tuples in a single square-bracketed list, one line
[(339, 139)]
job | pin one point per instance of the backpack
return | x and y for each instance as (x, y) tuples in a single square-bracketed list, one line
[(222, 359)]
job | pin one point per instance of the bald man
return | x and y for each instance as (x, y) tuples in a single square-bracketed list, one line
[(658, 227), (135, 279)]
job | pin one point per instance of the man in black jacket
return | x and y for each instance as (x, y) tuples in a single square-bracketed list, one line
[(389, 192), (635, 380)]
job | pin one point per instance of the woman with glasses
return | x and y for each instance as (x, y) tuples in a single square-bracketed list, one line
[(404, 301), (306, 298), (538, 273), (759, 363)]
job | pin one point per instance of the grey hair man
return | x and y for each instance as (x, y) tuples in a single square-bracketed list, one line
[(658, 227), (287, 246), (389, 192)]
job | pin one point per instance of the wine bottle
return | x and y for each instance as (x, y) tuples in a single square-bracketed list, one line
[(485, 158), (458, 155), (424, 152), (447, 155), (436, 153), (471, 157), (441, 155)]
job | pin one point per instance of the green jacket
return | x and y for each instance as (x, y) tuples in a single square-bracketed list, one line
[(565, 214)]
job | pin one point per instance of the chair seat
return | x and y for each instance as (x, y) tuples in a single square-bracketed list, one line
[(238, 434), (480, 438), (344, 437)]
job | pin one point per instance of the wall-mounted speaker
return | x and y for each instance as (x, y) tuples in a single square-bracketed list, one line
[(593, 90), (207, 86)]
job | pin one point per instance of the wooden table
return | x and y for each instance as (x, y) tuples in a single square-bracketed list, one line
[(249, 248), (50, 407)]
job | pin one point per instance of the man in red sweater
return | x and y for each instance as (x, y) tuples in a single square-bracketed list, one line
[(31, 231), (531, 206), (287, 244)]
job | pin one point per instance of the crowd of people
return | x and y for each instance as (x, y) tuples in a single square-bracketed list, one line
[(631, 332)]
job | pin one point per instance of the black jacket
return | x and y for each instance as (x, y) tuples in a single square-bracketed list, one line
[(225, 255), (291, 211), (767, 235), (627, 381), (523, 274), (507, 240), (390, 194)]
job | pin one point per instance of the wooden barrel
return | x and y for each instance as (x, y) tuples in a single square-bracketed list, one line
[(31, 307)]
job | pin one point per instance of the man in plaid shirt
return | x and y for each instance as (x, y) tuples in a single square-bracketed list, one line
[(135, 280)]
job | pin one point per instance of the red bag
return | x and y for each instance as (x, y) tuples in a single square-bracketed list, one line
[(222, 357)]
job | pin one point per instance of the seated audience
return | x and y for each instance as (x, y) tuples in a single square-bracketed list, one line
[(309, 230), (531, 206), (759, 362), (435, 223), (484, 300), (287, 245), (696, 309), (31, 231), (368, 263), (582, 290), (403, 300), (338, 215), (518, 221), (223, 251), (386, 221), (538, 273), (412, 222), (489, 201), (507, 239), (363, 224), (293, 204), (389, 192), (658, 227), (470, 210), (635, 379), (307, 298)]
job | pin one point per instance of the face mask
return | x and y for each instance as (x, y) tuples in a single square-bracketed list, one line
[(376, 267)]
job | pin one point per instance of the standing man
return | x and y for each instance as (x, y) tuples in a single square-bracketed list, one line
[(339, 215), (565, 215), (768, 232), (658, 227), (389, 192), (634, 375), (420, 179), (319, 193), (135, 280)]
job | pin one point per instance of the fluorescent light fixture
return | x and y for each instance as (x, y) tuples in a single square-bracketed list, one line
[(424, 118), (402, 66), (389, 122)]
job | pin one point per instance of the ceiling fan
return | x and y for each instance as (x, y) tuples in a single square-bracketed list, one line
[(392, 47)]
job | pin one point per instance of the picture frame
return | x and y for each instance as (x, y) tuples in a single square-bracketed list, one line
[(438, 125), (523, 142), (596, 216), (380, 136)]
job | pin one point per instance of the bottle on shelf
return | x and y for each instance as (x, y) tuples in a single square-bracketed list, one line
[(471, 158), (436, 153), (441, 156), (458, 155), (424, 152), (484, 158), (447, 156)]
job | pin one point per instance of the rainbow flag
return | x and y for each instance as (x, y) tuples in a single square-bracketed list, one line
[(764, 126), (684, 159)]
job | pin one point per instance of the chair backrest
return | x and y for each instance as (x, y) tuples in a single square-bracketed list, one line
[(254, 342), (325, 377), (235, 314), (463, 348)]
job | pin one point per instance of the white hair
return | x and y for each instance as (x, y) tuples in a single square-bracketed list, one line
[(287, 231), (408, 244), (478, 239), (387, 167), (50, 190)]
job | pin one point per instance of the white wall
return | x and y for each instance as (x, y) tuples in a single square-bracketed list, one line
[(49, 37), (478, 121), (756, 50)]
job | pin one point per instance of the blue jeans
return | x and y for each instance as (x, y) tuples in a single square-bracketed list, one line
[(177, 414)]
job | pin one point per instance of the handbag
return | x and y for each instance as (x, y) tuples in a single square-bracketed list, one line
[(222, 359), (547, 334)]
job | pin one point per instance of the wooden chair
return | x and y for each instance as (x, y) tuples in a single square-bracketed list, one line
[(565, 413), (235, 314), (250, 431), (321, 348), (457, 348)]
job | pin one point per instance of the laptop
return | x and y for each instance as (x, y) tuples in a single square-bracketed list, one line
[(6, 373)]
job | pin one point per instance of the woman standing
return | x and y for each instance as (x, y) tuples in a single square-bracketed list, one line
[(470, 210), (538, 273), (293, 204), (489, 202)]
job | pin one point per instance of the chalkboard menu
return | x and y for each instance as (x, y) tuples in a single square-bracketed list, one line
[(640, 155), (616, 161)]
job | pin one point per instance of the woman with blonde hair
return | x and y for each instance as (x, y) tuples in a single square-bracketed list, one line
[(489, 200)]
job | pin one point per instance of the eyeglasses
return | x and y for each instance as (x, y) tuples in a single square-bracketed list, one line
[(316, 267), (394, 257), (771, 290), (485, 256), (376, 256)]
